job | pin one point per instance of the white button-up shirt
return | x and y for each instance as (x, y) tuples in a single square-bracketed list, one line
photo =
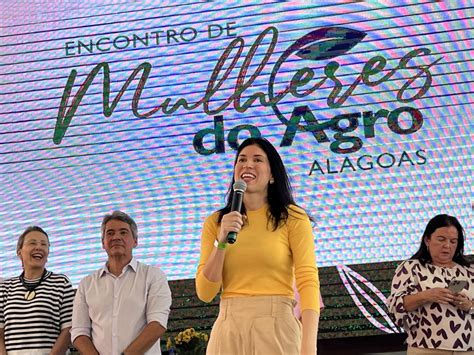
[(113, 310)]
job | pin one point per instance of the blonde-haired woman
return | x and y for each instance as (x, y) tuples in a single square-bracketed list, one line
[(36, 306)]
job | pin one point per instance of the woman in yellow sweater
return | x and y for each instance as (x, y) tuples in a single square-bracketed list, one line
[(255, 275)]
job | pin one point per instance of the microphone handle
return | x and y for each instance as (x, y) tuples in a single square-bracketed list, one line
[(236, 205), (231, 237)]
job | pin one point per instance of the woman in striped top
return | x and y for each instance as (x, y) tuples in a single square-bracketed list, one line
[(35, 307)]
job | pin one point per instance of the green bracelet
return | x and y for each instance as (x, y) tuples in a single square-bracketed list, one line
[(221, 245)]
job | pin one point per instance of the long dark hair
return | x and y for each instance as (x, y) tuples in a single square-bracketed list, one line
[(280, 193), (439, 221)]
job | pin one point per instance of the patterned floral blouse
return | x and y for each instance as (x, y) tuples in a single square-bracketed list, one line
[(433, 325)]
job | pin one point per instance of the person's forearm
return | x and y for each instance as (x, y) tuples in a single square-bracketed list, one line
[(3, 350), (146, 339), (214, 265), (412, 302), (62, 342), (85, 346), (310, 320)]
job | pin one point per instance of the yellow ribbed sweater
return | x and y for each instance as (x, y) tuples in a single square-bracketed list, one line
[(263, 262)]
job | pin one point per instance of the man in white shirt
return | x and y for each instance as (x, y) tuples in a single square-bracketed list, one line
[(123, 307)]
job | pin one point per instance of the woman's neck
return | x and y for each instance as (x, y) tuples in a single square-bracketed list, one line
[(33, 273), (448, 265), (254, 202)]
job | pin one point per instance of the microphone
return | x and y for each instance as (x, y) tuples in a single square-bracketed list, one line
[(239, 188)]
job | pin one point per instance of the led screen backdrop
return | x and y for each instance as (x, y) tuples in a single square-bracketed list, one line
[(138, 106)]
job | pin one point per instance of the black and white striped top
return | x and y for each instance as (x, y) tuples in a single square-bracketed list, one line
[(35, 324)]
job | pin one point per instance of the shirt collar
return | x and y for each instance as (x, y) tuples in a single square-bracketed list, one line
[(133, 264)]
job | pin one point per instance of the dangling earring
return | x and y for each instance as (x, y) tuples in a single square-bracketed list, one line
[(272, 181)]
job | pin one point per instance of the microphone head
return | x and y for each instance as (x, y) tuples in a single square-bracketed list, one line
[(240, 185)]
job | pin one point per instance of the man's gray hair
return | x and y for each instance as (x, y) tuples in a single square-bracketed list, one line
[(123, 217)]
